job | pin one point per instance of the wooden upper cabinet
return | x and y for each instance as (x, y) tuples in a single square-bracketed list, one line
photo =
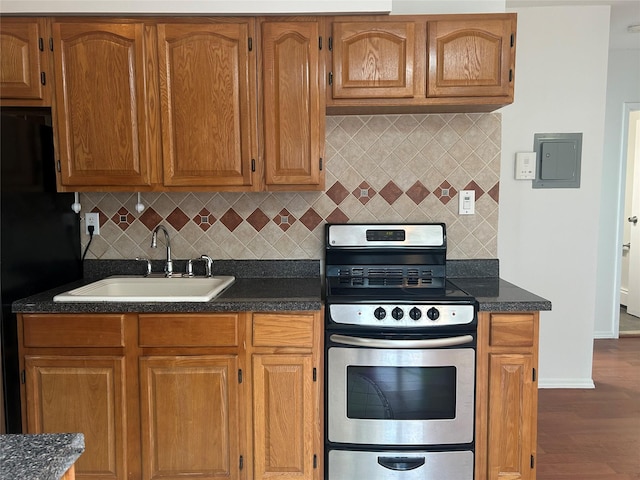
[(375, 59), (24, 61), (100, 102), (421, 63), (207, 102), (293, 114), (471, 58)]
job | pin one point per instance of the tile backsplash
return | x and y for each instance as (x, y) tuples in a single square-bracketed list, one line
[(379, 168)]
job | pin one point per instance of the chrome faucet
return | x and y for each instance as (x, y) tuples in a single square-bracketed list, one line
[(168, 267), (208, 264)]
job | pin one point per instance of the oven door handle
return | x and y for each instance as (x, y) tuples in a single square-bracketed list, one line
[(383, 343)]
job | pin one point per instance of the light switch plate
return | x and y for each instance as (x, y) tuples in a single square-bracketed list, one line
[(467, 202), (525, 165)]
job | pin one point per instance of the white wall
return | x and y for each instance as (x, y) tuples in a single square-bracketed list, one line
[(548, 238), (250, 6), (623, 85), (194, 7)]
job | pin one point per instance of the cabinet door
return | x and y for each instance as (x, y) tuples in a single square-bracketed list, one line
[(207, 85), (471, 58), (100, 103), (293, 104), (512, 418), (81, 394), (189, 414), (284, 406), (374, 59), (23, 73)]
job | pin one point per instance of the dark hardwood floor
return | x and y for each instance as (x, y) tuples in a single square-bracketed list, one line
[(594, 434)]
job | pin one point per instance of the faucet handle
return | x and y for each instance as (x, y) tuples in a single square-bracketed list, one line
[(189, 271), (148, 265), (209, 264)]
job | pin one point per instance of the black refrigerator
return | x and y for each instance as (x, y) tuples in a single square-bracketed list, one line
[(39, 233)]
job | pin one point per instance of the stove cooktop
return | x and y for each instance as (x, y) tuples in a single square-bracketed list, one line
[(339, 292)]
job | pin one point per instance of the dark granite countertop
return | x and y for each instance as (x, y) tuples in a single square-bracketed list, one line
[(245, 294), (277, 285), (39, 457), (267, 285), (496, 295)]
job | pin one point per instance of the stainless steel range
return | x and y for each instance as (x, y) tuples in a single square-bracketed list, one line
[(400, 356)]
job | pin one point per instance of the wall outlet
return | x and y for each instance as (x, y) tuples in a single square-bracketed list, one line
[(467, 202), (92, 219)]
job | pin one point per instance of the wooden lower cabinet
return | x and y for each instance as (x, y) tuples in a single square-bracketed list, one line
[(286, 350), (231, 395), (283, 393), (84, 393), (507, 396), (189, 417)]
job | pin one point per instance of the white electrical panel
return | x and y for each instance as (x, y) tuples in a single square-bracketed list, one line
[(525, 165), (467, 202)]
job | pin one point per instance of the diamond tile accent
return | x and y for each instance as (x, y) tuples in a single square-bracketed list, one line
[(391, 192), (284, 219), (311, 219), (495, 194), (231, 219), (150, 218), (123, 218), (258, 219), (364, 193), (102, 217), (177, 219), (337, 193), (445, 192), (417, 192), (475, 187), (204, 219), (337, 216)]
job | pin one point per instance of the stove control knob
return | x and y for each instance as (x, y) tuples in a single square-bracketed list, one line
[(433, 313), (379, 313), (397, 313), (415, 313)]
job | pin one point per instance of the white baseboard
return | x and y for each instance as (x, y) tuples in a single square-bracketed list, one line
[(566, 383), (604, 334)]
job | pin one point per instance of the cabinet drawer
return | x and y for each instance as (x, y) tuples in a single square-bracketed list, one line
[(283, 330), (193, 330), (46, 330), (512, 330)]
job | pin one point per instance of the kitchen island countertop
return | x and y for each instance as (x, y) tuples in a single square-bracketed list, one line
[(40, 456)]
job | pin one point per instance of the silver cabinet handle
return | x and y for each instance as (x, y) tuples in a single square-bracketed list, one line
[(633, 219), (383, 343), (626, 245)]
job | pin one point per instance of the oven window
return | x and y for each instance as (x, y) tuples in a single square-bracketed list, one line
[(401, 393)]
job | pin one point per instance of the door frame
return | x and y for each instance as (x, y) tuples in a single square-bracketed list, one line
[(628, 107)]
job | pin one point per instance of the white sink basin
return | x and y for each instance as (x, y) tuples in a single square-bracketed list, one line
[(148, 289)]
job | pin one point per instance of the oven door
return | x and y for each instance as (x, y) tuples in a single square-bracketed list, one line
[(419, 393)]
